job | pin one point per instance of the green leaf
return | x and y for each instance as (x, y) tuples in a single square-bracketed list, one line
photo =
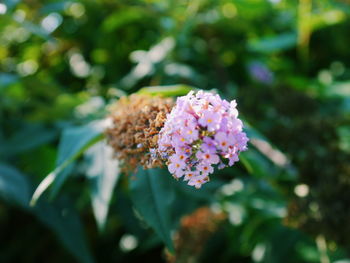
[(14, 187), (274, 44), (166, 91), (60, 179), (103, 172), (74, 141), (27, 138), (59, 216), (11, 3), (121, 19), (256, 164), (204, 194), (62, 218), (58, 7), (152, 195), (251, 131)]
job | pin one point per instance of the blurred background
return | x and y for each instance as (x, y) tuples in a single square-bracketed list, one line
[(286, 62)]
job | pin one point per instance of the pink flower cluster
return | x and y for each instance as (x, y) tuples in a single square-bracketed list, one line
[(201, 131)]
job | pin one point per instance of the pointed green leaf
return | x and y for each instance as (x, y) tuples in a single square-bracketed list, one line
[(167, 91), (152, 195), (14, 188), (64, 221), (257, 165), (59, 216), (103, 172), (272, 44), (74, 142), (27, 138)]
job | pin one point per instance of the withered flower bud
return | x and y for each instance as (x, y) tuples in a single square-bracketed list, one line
[(194, 232), (137, 120)]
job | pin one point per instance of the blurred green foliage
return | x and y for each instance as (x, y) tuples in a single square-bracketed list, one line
[(287, 64)]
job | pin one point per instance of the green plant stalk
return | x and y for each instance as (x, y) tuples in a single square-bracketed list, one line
[(304, 29)]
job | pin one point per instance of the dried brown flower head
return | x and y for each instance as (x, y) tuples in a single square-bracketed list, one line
[(137, 120), (194, 232)]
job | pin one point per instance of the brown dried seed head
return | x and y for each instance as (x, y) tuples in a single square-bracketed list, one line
[(194, 231), (137, 120)]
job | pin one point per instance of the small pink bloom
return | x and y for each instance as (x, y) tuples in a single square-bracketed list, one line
[(211, 120), (189, 175), (198, 181), (206, 125), (232, 156), (222, 140), (208, 157), (205, 169), (177, 164), (190, 134)]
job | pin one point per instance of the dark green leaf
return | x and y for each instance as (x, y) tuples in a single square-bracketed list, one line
[(152, 195), (274, 44), (74, 141), (256, 164), (14, 187), (11, 3), (62, 218), (55, 7), (27, 138)]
